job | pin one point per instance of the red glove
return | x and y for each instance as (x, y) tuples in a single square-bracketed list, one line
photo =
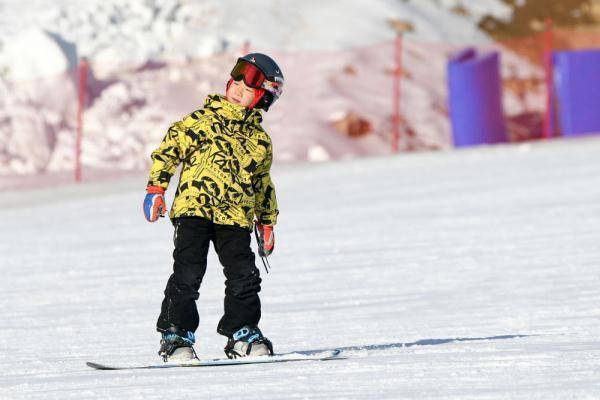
[(154, 203), (266, 239)]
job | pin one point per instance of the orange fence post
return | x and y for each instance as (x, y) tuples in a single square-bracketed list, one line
[(83, 68), (396, 94), (548, 72), (246, 47)]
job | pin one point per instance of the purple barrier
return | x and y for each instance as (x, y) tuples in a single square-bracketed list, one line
[(475, 97), (577, 82)]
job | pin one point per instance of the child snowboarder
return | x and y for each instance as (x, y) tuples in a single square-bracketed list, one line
[(225, 182)]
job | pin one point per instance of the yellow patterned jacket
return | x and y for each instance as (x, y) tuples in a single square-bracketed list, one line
[(226, 157)]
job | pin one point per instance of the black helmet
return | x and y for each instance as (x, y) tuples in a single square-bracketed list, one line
[(273, 78)]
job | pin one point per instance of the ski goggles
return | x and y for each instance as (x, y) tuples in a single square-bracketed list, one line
[(250, 73)]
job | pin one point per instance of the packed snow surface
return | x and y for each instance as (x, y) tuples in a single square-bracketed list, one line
[(469, 274)]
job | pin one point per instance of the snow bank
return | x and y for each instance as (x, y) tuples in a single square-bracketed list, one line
[(112, 31), (36, 123), (128, 112), (35, 54), (156, 61)]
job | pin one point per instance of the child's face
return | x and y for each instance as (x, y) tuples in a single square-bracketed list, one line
[(240, 94)]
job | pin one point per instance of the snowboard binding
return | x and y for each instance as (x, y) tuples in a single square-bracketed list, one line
[(248, 341), (177, 345)]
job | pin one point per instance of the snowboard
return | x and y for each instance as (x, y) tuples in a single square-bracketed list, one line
[(218, 362)]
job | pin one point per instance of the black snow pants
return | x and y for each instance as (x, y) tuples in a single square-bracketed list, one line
[(242, 278)]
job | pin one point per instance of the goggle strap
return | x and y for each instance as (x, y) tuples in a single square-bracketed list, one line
[(258, 94)]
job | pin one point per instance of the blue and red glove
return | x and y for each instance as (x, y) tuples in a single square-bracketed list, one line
[(266, 239), (154, 203)]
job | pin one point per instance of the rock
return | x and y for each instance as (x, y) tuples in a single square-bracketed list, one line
[(353, 125)]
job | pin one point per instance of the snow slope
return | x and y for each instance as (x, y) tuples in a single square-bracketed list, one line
[(469, 274)]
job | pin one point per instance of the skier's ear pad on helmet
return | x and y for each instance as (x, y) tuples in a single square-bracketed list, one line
[(265, 101)]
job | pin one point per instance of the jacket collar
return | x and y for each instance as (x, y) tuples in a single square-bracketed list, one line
[(225, 109)]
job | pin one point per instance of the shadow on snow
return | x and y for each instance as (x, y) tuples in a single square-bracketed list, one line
[(422, 342)]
